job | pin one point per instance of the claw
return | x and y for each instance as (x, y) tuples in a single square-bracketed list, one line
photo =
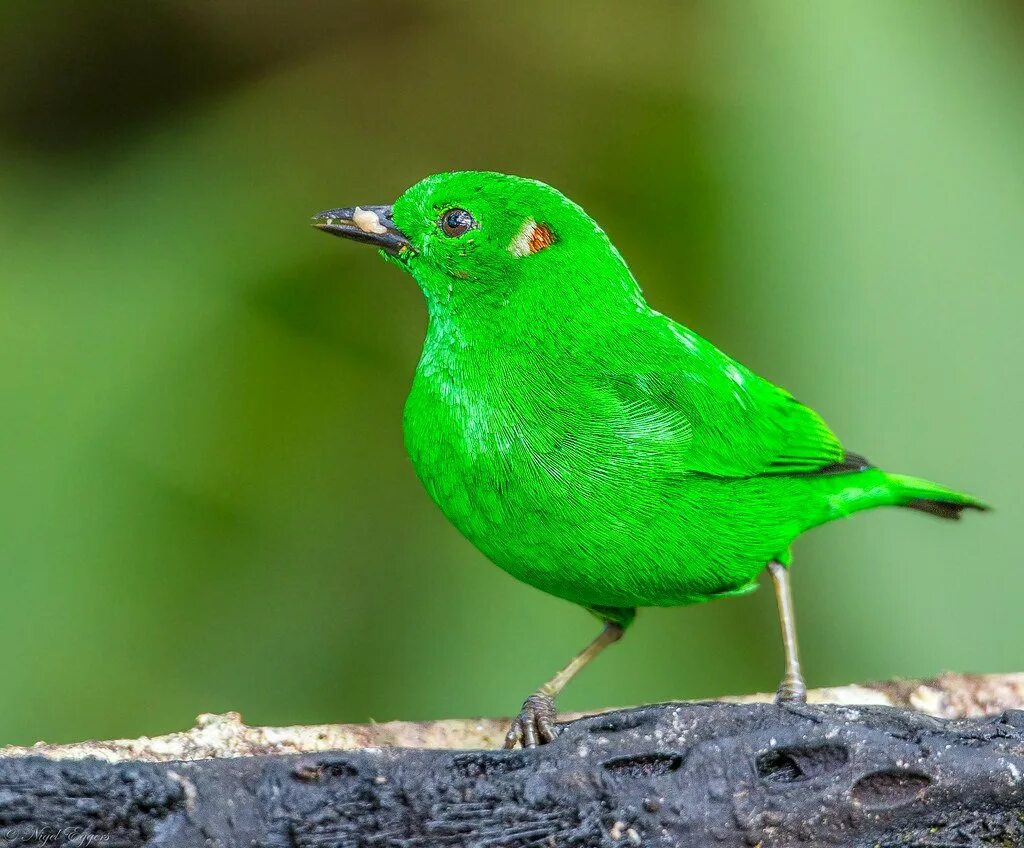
[(546, 730), (535, 724), (514, 735), (530, 734)]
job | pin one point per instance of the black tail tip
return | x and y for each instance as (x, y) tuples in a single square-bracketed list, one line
[(943, 509)]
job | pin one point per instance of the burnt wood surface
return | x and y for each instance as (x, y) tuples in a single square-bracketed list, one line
[(675, 774)]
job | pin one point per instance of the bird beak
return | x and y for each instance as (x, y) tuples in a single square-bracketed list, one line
[(368, 224)]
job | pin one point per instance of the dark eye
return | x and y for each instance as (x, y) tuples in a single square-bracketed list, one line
[(455, 222)]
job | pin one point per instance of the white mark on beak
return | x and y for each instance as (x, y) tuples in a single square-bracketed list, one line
[(367, 221)]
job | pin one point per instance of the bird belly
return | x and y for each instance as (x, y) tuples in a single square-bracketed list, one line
[(595, 529)]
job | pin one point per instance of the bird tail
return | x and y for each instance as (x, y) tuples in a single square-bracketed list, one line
[(932, 498)]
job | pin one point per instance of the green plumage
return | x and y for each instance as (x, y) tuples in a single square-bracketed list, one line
[(589, 445)]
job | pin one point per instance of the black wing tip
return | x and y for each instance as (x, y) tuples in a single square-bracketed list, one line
[(850, 463), (943, 509)]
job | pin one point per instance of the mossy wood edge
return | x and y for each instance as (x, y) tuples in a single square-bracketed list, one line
[(928, 763), (225, 735)]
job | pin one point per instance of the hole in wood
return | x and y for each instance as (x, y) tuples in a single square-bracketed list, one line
[(796, 763), (886, 789), (327, 767), (644, 765), (620, 722), (480, 764)]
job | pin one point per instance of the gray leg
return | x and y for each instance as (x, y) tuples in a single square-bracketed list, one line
[(792, 687), (535, 723)]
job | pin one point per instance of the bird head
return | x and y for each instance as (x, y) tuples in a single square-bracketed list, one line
[(483, 242)]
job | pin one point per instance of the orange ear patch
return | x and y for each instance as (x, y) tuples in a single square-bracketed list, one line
[(541, 237), (531, 238)]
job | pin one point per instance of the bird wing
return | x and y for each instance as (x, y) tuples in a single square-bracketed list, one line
[(719, 417)]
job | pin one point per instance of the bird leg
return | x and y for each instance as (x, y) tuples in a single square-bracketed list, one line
[(535, 723), (792, 688)]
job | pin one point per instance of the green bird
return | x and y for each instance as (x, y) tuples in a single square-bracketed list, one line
[(589, 445)]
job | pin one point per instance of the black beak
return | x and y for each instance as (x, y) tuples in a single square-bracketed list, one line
[(368, 224)]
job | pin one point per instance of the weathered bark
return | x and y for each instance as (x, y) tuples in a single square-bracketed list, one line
[(673, 774)]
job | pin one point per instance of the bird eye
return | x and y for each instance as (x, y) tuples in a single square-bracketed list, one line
[(455, 222)]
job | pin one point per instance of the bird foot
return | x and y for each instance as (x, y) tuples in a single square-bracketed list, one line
[(535, 724), (792, 690)]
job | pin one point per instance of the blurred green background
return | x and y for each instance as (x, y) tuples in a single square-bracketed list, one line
[(204, 499)]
